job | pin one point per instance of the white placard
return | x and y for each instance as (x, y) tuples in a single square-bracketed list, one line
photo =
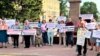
[(51, 25), (10, 22), (88, 34), (60, 18), (96, 34), (33, 24), (80, 37), (61, 28), (69, 28), (29, 32), (14, 32), (90, 25)]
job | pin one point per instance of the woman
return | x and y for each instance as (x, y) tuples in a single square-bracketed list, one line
[(44, 32), (93, 40), (50, 33), (80, 34), (3, 34), (69, 34), (26, 37), (15, 37), (61, 32)]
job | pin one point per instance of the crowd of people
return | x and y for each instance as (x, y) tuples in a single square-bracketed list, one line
[(44, 35)]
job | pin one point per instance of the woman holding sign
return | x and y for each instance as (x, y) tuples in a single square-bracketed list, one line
[(69, 34), (50, 32), (3, 34), (26, 37), (81, 40), (16, 36)]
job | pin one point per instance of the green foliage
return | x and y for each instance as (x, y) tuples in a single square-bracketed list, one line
[(21, 9), (89, 8), (63, 6)]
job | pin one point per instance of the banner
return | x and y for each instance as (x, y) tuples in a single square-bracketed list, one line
[(10, 22), (80, 37), (33, 24), (69, 28), (51, 25), (88, 34), (14, 32), (90, 25), (29, 32), (96, 34)]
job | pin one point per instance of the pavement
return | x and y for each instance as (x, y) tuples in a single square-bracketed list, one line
[(55, 50)]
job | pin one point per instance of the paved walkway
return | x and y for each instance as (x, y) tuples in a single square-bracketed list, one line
[(55, 50)]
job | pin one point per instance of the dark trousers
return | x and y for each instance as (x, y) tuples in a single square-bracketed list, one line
[(69, 38), (27, 40), (79, 48), (15, 40), (45, 38)]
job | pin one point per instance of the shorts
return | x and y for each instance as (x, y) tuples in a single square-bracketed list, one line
[(97, 43)]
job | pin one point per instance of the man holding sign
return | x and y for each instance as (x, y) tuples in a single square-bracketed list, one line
[(69, 33)]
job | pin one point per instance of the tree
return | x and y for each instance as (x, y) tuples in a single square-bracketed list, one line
[(21, 9), (89, 8), (63, 6)]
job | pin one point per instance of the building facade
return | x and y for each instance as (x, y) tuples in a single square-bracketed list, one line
[(51, 9)]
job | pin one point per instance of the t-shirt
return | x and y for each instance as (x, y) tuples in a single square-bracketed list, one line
[(43, 27)]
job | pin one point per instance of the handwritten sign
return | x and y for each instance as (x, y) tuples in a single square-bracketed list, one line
[(51, 25), (14, 32), (88, 34), (29, 32), (80, 37), (96, 34), (69, 28), (33, 24), (90, 25)]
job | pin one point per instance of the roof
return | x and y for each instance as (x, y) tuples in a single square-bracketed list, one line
[(87, 16)]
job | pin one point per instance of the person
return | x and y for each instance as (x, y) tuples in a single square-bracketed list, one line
[(98, 43), (26, 37), (62, 33), (93, 40), (80, 34), (44, 32), (69, 34), (61, 17), (50, 33), (3, 34), (15, 37)]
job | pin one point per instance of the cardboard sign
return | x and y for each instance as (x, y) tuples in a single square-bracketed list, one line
[(51, 25), (10, 22), (69, 28), (29, 32), (90, 25), (88, 34), (14, 32), (80, 37), (33, 24), (96, 34)]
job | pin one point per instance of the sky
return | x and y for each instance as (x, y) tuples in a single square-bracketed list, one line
[(95, 1)]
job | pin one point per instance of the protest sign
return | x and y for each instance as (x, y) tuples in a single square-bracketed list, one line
[(29, 32), (80, 37), (51, 25), (88, 34), (69, 28), (14, 32), (96, 34), (10, 22), (90, 25), (33, 24)]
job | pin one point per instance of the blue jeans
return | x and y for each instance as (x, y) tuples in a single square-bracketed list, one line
[(45, 38), (69, 38), (50, 37)]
